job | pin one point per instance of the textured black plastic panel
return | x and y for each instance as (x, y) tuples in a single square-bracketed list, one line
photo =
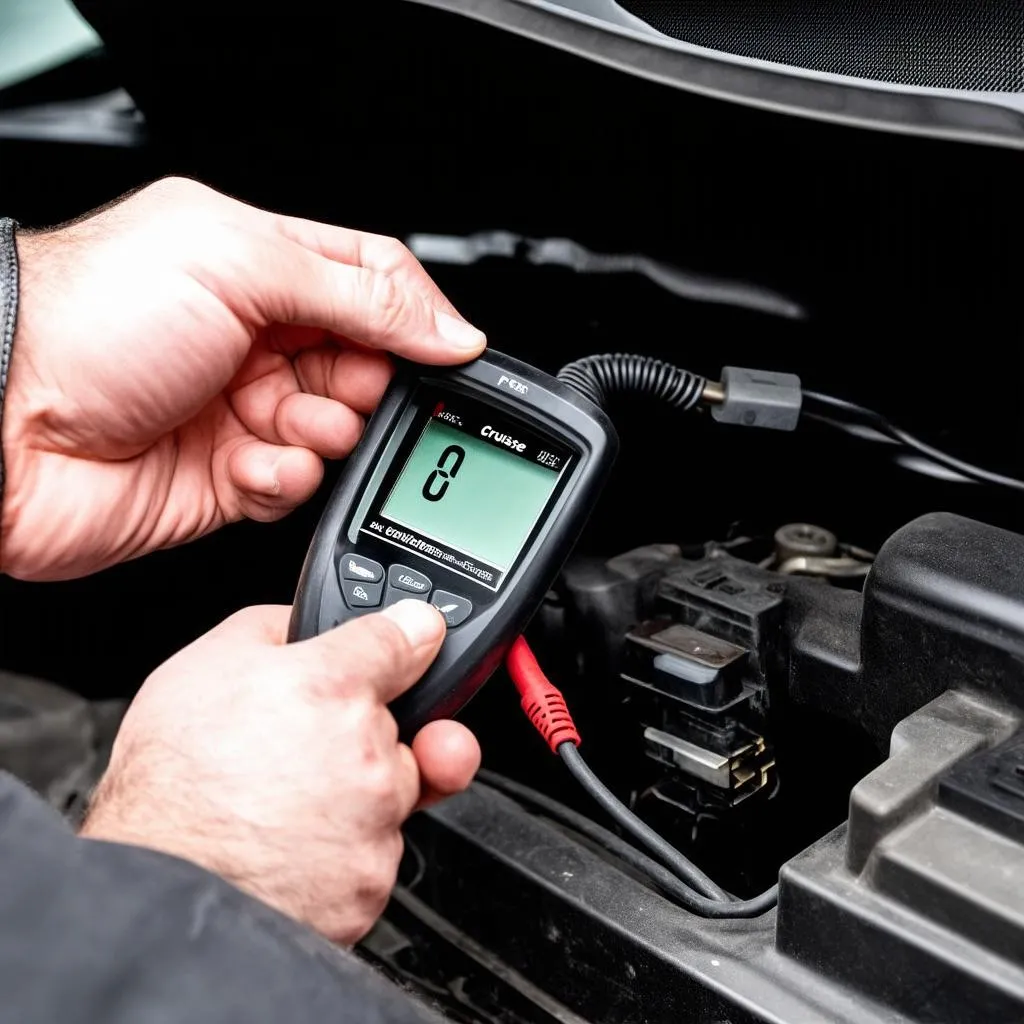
[(942, 44)]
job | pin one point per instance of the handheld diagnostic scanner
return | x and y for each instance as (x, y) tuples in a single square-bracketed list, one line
[(468, 490)]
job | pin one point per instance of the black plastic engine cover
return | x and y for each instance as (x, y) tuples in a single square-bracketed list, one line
[(912, 910), (943, 608)]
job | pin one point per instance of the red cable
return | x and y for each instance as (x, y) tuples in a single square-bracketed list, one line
[(541, 699)]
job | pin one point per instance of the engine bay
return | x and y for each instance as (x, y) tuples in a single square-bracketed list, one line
[(799, 656), (797, 713), (808, 715), (809, 709), (777, 763)]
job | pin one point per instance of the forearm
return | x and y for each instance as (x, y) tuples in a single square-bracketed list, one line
[(135, 934)]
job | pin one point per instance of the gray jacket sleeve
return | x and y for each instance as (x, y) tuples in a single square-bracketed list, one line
[(98, 933)]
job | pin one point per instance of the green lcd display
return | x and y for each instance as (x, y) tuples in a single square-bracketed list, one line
[(471, 492)]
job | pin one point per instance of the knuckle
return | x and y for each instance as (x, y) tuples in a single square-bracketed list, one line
[(393, 254), (174, 211), (380, 787), (390, 729), (387, 308), (380, 780), (176, 187), (362, 710), (377, 875)]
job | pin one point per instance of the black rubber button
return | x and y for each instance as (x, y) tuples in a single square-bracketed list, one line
[(401, 577), (361, 595), (455, 608), (359, 567), (394, 595)]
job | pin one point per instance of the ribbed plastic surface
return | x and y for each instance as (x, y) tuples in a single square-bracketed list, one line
[(945, 44)]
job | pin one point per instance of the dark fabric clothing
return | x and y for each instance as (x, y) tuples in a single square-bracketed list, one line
[(99, 933), (8, 314)]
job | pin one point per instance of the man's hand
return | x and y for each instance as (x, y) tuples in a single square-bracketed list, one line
[(183, 360), (279, 767)]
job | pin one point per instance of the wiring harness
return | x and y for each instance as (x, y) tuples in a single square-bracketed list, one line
[(753, 398), (744, 397), (679, 877)]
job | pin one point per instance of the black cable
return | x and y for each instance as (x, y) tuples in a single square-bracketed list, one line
[(600, 377), (890, 430), (660, 876), (682, 867), (597, 834)]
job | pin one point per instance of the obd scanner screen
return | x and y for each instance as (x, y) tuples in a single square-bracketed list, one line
[(470, 492)]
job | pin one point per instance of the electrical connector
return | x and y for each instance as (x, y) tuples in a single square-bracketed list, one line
[(755, 398), (541, 699), (545, 707)]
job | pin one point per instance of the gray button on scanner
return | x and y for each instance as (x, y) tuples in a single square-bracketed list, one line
[(361, 595), (401, 577), (454, 608), (359, 567), (394, 595)]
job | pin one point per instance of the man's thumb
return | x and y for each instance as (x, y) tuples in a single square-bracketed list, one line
[(388, 650), (420, 623)]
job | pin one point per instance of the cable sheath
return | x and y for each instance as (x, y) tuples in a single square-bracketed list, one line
[(602, 377)]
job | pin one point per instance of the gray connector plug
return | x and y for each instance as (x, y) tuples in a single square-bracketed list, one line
[(758, 398)]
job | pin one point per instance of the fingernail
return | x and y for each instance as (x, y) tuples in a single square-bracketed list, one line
[(458, 333), (265, 477), (419, 621)]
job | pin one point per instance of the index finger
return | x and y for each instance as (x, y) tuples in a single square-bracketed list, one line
[(362, 249), (292, 285)]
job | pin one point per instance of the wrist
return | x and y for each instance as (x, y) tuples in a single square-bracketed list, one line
[(125, 812), (32, 422)]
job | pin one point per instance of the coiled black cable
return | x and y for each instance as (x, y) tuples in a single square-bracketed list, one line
[(600, 377)]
